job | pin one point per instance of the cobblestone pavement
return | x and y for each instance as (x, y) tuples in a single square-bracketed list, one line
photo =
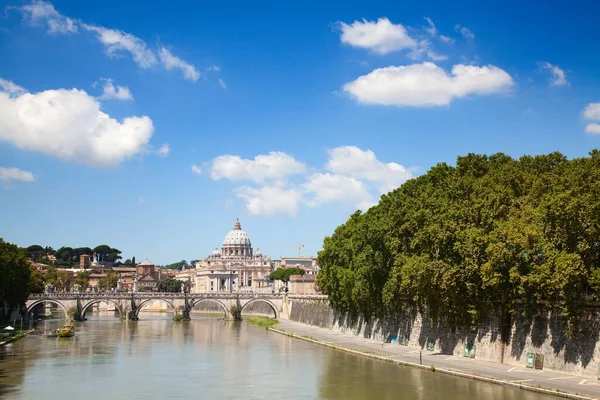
[(521, 375)]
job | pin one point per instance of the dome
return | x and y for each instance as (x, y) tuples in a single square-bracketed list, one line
[(216, 252), (257, 253), (237, 237)]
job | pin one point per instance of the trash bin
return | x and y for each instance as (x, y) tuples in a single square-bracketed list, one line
[(530, 360)]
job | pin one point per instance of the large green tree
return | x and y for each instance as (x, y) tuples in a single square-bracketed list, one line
[(490, 236), (15, 275)]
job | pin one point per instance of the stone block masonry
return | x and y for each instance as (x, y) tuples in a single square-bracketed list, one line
[(543, 336)]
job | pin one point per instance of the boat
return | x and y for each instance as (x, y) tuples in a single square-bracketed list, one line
[(49, 334), (66, 331)]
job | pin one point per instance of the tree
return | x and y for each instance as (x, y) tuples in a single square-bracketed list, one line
[(283, 274), (127, 262), (36, 281), (15, 274), (170, 285), (35, 251), (83, 279), (133, 261), (178, 265), (491, 236), (109, 281)]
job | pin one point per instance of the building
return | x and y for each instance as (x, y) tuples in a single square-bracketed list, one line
[(237, 267), (148, 276), (307, 263)]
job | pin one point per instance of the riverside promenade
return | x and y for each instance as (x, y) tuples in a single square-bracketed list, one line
[(566, 386)]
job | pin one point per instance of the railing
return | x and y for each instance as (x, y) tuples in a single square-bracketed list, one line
[(161, 295)]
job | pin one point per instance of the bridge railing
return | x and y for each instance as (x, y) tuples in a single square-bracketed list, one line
[(156, 295)]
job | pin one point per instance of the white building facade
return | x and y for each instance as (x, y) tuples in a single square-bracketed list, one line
[(237, 267)]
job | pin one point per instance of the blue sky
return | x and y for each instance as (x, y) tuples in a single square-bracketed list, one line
[(151, 128)]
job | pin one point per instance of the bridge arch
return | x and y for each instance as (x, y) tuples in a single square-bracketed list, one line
[(88, 305), (38, 302), (198, 301), (146, 301), (275, 311)]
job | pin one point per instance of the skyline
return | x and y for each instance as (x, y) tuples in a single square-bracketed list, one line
[(152, 129)]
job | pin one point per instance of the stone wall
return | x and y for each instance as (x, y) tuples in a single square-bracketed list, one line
[(543, 335)]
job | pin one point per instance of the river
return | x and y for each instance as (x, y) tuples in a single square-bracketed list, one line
[(209, 358)]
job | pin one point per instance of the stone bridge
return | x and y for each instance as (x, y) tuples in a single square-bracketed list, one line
[(76, 305)]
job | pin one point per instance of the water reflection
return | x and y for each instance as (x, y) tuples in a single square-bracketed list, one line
[(210, 358)]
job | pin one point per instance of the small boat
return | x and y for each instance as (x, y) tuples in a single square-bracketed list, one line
[(66, 331), (49, 334)]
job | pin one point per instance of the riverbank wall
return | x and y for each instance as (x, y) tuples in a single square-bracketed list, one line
[(540, 341)]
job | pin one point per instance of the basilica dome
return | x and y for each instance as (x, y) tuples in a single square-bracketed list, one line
[(237, 237)]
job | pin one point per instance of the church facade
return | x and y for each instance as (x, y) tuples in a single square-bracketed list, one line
[(237, 267)]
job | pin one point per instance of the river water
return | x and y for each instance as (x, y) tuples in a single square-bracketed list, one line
[(209, 358)]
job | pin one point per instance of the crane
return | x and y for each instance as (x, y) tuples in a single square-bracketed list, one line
[(298, 246)]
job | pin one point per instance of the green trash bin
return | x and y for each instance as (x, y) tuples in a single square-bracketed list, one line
[(530, 360)]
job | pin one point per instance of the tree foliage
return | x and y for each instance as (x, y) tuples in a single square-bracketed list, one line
[(178, 265), (83, 279), (491, 236), (109, 281), (15, 274), (170, 285), (57, 278), (283, 274)]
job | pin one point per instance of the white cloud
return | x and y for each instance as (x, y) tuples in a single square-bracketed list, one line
[(164, 150), (431, 29), (426, 84), (332, 188), (41, 11), (222, 83), (170, 61), (15, 174), (70, 125), (10, 88), (381, 37), (276, 166), (352, 176), (592, 111), (593, 129), (117, 42), (196, 169), (558, 75), (424, 47), (112, 92), (464, 31), (446, 39), (362, 164), (212, 68), (270, 200)]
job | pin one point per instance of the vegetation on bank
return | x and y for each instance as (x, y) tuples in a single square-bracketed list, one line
[(263, 322), (491, 236)]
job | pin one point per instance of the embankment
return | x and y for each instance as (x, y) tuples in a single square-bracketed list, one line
[(543, 336)]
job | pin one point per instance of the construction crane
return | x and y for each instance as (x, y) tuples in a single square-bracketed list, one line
[(298, 246)]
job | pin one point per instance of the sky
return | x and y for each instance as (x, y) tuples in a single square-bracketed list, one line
[(150, 128)]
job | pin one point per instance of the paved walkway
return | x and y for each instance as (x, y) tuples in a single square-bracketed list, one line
[(458, 365)]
